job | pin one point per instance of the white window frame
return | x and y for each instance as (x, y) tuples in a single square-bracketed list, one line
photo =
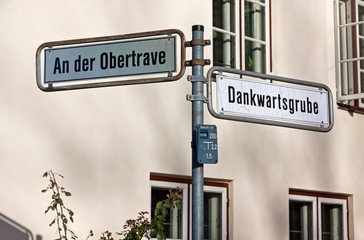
[(234, 34), (187, 199), (240, 41), (317, 201), (173, 185), (345, 59), (223, 192), (266, 43), (335, 201), (359, 3), (313, 201)]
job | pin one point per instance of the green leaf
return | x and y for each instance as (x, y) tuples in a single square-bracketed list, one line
[(54, 220), (153, 232), (164, 212), (156, 211), (160, 235), (250, 64), (48, 209), (160, 225), (67, 194)]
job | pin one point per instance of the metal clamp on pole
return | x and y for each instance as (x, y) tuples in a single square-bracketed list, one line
[(193, 98), (195, 42), (194, 78), (195, 62)]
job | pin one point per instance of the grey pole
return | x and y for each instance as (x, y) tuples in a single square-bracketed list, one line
[(197, 118)]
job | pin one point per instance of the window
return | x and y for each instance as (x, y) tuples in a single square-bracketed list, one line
[(215, 201), (179, 224), (224, 33), (177, 221), (302, 224), (349, 35), (318, 216), (243, 39), (332, 219)]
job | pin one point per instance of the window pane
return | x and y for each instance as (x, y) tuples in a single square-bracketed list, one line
[(254, 21), (361, 81), (224, 14), (361, 49), (342, 12), (361, 18), (300, 221), (224, 49), (173, 225), (212, 216), (331, 222), (347, 81), (255, 56), (361, 52), (345, 43)]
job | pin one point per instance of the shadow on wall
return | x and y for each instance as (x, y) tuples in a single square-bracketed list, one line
[(11, 230)]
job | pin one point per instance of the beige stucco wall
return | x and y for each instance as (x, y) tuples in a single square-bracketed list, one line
[(106, 142)]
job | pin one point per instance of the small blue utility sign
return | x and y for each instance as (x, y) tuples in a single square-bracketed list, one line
[(206, 143)]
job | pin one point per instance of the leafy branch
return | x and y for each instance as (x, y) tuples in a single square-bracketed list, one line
[(136, 229), (57, 205), (133, 229)]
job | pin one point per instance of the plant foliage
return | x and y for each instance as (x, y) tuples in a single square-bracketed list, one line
[(133, 229)]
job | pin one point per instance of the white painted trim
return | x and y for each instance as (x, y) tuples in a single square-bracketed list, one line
[(335, 201), (223, 191), (266, 43), (313, 200), (173, 185)]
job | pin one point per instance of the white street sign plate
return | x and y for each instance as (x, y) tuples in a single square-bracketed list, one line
[(262, 99), (124, 58)]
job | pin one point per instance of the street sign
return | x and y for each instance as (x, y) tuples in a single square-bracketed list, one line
[(206, 143), (266, 100), (125, 58), (130, 59), (258, 98)]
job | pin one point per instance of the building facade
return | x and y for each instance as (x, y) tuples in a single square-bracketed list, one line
[(122, 148)]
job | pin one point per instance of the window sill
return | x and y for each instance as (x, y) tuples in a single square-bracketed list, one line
[(351, 109)]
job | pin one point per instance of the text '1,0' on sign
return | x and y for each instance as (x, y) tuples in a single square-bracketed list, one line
[(131, 58)]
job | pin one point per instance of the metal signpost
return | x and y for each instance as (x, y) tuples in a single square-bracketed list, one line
[(197, 99), (240, 95)]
